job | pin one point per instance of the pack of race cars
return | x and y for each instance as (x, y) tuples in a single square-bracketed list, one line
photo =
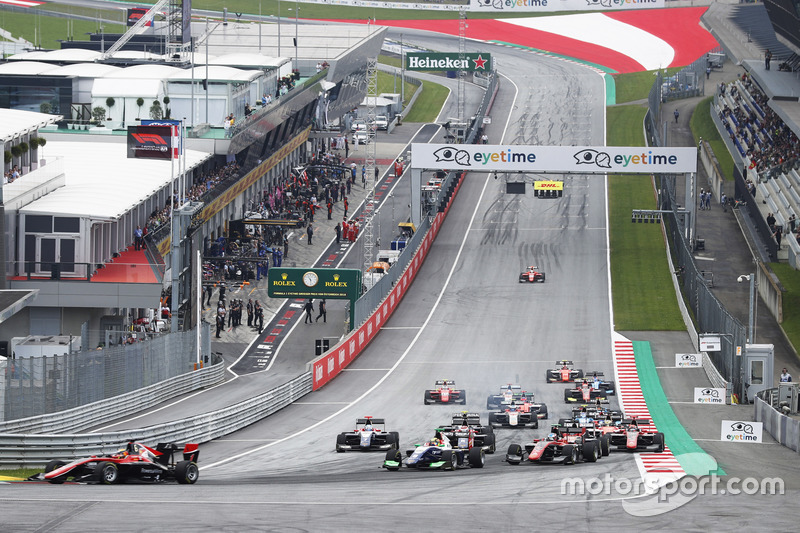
[(593, 431)]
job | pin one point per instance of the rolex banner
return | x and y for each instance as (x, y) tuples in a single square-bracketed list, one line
[(471, 61)]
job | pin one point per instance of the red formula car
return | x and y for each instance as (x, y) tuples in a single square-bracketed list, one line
[(563, 446), (445, 392), (633, 438), (533, 274), (134, 461)]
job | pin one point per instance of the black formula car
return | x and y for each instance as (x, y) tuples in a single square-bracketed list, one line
[(532, 275), (445, 392), (468, 425), (134, 461), (369, 435)]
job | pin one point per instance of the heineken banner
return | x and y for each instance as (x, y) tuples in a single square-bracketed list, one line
[(472, 61)]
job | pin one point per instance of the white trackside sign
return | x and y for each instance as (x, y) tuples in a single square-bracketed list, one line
[(709, 395), (741, 431), (566, 159), (688, 360)]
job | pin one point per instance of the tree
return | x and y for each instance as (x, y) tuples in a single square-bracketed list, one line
[(99, 114), (156, 113), (139, 103), (42, 141), (7, 156), (34, 143), (16, 151), (45, 107), (24, 147), (110, 103)]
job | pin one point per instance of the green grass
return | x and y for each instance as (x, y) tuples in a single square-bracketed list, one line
[(51, 28), (790, 279), (388, 83), (429, 103), (702, 126), (636, 85), (22, 473), (643, 294), (115, 15)]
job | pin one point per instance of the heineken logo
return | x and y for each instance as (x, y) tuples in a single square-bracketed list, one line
[(448, 61)]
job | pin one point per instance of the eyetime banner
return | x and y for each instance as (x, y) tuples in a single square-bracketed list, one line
[(472, 61), (313, 282), (152, 142), (579, 159), (548, 6)]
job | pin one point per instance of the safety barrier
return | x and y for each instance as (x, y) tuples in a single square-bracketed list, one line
[(784, 429), (31, 451), (97, 413), (328, 366)]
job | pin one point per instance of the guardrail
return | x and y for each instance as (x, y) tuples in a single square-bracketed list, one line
[(33, 451), (784, 429), (100, 412)]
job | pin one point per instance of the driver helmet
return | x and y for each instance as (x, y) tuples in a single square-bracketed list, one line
[(368, 427), (434, 442), (551, 436)]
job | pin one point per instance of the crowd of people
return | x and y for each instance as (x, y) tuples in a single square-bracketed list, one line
[(12, 175), (766, 143), (759, 133), (202, 185)]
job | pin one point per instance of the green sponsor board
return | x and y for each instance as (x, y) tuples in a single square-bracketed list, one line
[(342, 283), (471, 61)]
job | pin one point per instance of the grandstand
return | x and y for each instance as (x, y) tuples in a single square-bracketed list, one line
[(758, 116)]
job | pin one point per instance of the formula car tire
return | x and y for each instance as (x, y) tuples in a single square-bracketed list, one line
[(492, 420), (590, 451), (187, 473), (428, 398), (514, 451), (579, 374), (54, 465), (394, 455), (566, 395), (542, 277), (463, 397), (570, 454), (340, 439), (396, 437), (476, 458), (450, 460), (658, 439), (106, 473), (543, 411), (489, 441), (604, 445)]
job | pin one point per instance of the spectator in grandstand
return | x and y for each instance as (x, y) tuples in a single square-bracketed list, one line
[(767, 58), (137, 238)]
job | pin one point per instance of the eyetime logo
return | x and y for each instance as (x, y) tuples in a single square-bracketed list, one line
[(464, 158), (604, 160)]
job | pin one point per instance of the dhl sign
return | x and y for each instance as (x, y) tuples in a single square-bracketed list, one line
[(243, 184), (548, 185), (548, 189)]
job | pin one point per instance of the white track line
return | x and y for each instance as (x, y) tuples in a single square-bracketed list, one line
[(397, 363)]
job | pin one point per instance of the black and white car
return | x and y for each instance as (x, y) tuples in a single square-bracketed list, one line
[(370, 435)]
